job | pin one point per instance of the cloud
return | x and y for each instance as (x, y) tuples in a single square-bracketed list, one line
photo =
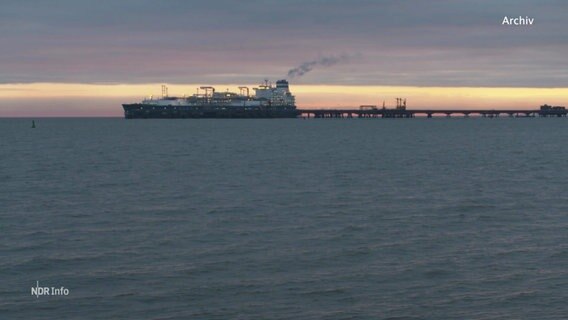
[(442, 43)]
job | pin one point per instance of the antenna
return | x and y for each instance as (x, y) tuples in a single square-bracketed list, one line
[(164, 91)]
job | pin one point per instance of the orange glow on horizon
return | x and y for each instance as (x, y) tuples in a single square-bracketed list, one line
[(307, 96)]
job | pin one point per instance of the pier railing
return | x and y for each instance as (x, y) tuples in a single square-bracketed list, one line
[(428, 113)]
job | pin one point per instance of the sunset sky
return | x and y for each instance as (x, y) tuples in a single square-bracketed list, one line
[(85, 58)]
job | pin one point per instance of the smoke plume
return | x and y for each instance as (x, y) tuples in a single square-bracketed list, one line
[(321, 62)]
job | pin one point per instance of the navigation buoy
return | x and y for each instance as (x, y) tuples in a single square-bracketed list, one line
[(33, 124)]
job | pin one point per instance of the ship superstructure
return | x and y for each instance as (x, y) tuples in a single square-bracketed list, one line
[(268, 101)]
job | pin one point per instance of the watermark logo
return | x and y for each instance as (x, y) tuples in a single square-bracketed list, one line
[(48, 291), (517, 21)]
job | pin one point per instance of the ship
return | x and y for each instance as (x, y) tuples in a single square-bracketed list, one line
[(268, 101)]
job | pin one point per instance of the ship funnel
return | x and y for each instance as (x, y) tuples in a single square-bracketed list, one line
[(282, 84)]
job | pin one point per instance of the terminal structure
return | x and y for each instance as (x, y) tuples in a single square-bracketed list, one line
[(400, 111), (277, 101)]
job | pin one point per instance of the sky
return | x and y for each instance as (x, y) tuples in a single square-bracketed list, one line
[(81, 58)]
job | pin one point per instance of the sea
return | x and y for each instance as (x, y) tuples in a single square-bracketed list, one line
[(459, 218)]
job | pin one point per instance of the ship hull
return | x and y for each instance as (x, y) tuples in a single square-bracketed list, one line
[(147, 111)]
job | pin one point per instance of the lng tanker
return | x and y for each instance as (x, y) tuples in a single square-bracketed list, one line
[(268, 101)]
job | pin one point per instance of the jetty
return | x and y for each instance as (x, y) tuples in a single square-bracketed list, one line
[(400, 111)]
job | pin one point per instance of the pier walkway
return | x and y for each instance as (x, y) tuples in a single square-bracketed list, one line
[(429, 113)]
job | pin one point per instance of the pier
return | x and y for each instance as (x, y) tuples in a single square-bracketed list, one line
[(401, 112)]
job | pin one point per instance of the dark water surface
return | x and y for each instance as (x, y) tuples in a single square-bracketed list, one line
[(284, 219)]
